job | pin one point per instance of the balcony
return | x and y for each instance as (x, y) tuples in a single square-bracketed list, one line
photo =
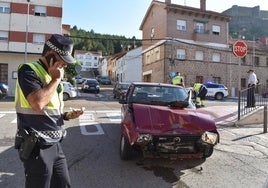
[(201, 35)]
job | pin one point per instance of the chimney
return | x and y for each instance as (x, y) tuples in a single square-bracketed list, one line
[(168, 2), (203, 5)]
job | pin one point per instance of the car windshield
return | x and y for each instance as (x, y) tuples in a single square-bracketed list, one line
[(92, 81), (159, 95), (125, 86)]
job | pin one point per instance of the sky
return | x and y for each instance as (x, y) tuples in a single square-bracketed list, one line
[(124, 17)]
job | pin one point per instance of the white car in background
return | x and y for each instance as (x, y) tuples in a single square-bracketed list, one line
[(218, 91), (69, 91)]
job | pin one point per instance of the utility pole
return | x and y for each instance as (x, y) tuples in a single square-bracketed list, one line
[(27, 28)]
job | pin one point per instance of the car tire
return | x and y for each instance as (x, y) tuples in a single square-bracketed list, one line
[(125, 149), (208, 151), (65, 96), (219, 96)]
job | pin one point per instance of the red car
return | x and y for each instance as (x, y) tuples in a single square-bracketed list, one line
[(161, 121)]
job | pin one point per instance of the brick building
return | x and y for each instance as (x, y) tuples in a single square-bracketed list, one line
[(195, 42), (24, 27)]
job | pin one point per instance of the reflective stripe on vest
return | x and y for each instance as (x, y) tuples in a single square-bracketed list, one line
[(54, 107)]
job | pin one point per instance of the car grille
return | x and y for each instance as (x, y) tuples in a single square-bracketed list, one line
[(176, 144), (177, 138)]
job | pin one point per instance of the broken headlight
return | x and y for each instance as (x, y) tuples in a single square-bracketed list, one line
[(209, 137)]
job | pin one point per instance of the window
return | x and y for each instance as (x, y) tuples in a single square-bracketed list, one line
[(199, 28), (3, 35), (4, 7), (40, 11), (199, 79), (199, 55), (181, 25), (216, 57), (217, 80), (216, 30), (256, 61), (39, 38), (180, 54), (244, 60), (152, 33), (243, 82)]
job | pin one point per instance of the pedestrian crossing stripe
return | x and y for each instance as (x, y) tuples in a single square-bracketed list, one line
[(114, 116)]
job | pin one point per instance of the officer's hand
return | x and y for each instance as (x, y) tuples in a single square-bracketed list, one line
[(75, 113), (55, 70)]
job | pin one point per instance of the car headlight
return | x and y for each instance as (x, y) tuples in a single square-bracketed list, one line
[(97, 86), (5, 86), (209, 137), (144, 138)]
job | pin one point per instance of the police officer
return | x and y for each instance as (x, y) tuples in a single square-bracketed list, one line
[(178, 80), (39, 107), (200, 93)]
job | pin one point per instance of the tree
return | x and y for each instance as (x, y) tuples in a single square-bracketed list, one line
[(71, 71)]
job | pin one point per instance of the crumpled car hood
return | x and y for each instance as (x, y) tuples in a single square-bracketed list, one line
[(165, 120)]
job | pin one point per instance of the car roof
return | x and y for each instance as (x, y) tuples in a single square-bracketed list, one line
[(92, 79), (155, 84)]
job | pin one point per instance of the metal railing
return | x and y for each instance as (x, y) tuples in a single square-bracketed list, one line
[(247, 105)]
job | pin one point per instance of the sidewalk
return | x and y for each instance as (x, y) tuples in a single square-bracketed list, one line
[(223, 115)]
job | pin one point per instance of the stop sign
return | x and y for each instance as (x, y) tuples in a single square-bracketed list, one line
[(240, 48)]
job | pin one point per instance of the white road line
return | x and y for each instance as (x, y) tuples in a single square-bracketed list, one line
[(2, 115), (8, 112), (87, 117), (84, 130), (114, 117), (14, 120)]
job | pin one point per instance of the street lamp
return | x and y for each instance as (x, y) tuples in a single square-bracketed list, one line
[(27, 27)]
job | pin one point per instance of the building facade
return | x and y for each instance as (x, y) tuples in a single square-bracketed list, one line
[(129, 66), (24, 27), (194, 42)]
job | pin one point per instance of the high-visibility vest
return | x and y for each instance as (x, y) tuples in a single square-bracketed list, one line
[(177, 80), (50, 117), (197, 86)]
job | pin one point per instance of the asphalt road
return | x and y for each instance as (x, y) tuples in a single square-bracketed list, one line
[(92, 151)]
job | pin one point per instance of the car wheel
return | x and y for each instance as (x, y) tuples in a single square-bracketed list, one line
[(65, 96), (208, 151), (125, 149), (218, 96)]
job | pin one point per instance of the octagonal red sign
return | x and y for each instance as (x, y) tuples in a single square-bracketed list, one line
[(240, 48)]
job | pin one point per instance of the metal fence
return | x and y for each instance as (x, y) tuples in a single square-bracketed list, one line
[(246, 104)]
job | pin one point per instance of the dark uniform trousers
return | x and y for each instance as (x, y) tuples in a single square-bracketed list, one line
[(251, 96), (47, 168)]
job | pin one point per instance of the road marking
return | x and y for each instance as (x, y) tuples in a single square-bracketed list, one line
[(88, 120), (87, 117), (84, 130), (2, 115), (14, 120), (114, 117)]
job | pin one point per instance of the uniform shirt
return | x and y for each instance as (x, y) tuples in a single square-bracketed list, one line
[(252, 79)]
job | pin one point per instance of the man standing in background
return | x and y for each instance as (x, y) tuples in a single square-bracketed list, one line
[(252, 82)]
